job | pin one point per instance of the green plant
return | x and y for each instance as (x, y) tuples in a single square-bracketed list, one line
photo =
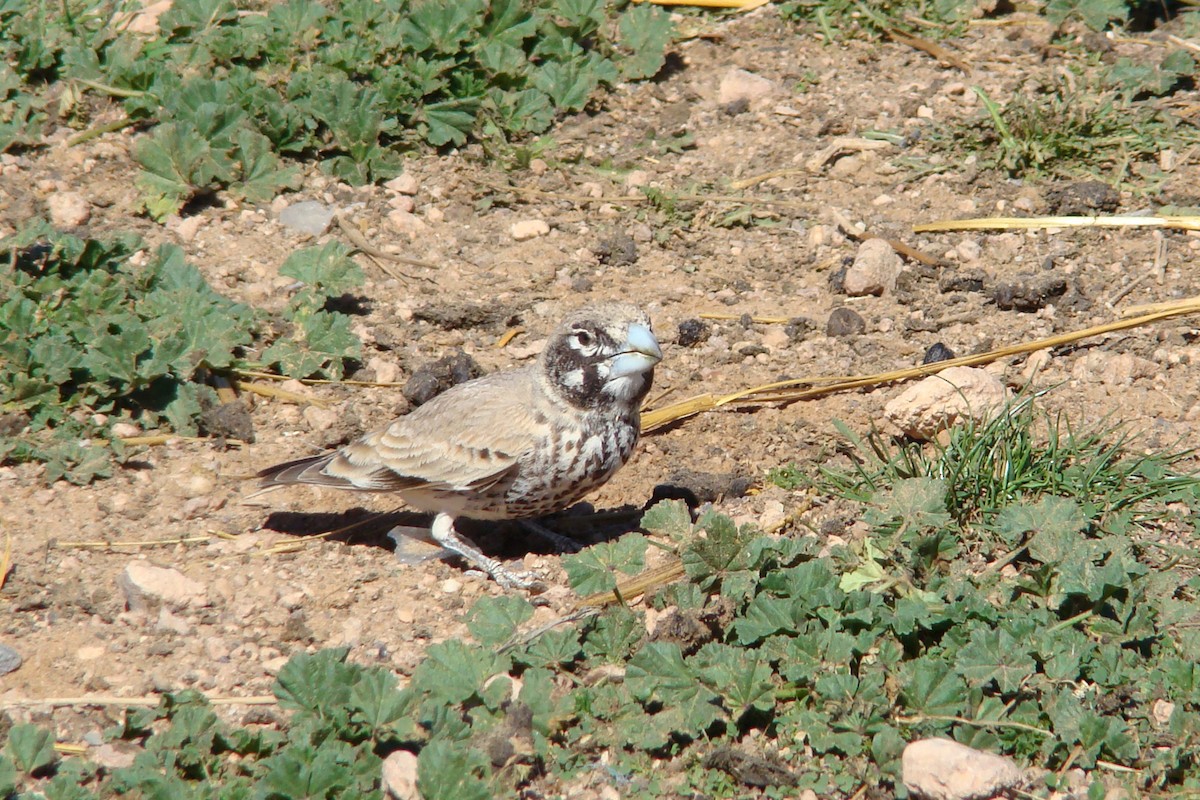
[(93, 331), (1063, 129), (351, 85)]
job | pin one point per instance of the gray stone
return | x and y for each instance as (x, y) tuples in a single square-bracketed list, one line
[(308, 217), (10, 660)]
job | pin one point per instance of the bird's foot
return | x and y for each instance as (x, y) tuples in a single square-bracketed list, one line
[(564, 544), (444, 534)]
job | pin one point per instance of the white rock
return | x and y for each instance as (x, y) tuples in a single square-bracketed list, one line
[(89, 652), (168, 621), (776, 338), (186, 229), (944, 400), (875, 269), (403, 184), (198, 486), (941, 769), (529, 229), (68, 209), (386, 371), (124, 430), (738, 84), (400, 776), (114, 755), (636, 178), (320, 419), (147, 587), (402, 202), (406, 222)]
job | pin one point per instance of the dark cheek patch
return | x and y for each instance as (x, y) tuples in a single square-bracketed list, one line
[(561, 360)]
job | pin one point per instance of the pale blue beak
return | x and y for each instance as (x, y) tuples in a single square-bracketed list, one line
[(641, 353)]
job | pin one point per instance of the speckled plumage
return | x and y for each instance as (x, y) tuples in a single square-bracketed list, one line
[(511, 445)]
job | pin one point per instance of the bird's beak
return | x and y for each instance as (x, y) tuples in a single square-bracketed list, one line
[(640, 353)]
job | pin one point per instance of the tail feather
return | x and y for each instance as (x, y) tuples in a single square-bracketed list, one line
[(302, 470)]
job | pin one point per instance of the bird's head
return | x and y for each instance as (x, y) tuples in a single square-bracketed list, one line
[(602, 355)]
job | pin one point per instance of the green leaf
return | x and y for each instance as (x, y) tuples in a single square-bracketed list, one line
[(723, 549), (453, 671), (552, 648), (670, 518), (378, 703), (8, 776), (327, 269), (260, 173), (493, 620), (658, 673), (1096, 14), (303, 771), (931, 687), (614, 635), (595, 569), (317, 684), (645, 31), (919, 504), (995, 655), (570, 84), (449, 121), (1056, 523), (178, 162), (30, 747), (447, 771)]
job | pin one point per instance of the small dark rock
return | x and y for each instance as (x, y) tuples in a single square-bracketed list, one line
[(12, 424), (845, 322), (798, 328), (837, 278), (937, 352), (1083, 198), (709, 487), (1029, 292), (228, 421), (296, 628), (10, 660), (581, 285), (969, 280), (617, 250), (432, 379), (693, 332), (457, 316), (739, 106)]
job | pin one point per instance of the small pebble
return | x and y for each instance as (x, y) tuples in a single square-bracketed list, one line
[(529, 229), (10, 660), (693, 332), (845, 322), (308, 217), (937, 352)]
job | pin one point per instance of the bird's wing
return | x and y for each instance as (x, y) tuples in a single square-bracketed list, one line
[(467, 438)]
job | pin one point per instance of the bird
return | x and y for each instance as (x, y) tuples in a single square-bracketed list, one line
[(512, 445)]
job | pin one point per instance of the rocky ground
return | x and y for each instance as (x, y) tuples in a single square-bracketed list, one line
[(745, 98)]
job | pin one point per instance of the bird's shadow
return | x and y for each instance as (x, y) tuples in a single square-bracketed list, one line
[(500, 539)]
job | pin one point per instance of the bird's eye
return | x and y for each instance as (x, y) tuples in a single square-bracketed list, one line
[(584, 338)]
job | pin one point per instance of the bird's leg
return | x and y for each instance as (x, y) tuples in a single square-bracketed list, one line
[(564, 544), (444, 534)]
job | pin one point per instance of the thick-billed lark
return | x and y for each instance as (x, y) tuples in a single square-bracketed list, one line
[(512, 445)]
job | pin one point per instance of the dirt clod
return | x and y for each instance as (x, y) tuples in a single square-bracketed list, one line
[(1029, 292), (845, 322), (432, 379), (693, 332)]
